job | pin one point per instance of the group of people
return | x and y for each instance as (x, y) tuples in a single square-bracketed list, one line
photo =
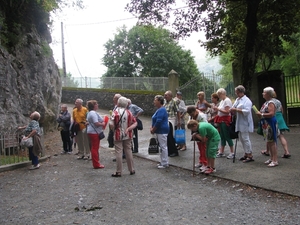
[(87, 125), (208, 122)]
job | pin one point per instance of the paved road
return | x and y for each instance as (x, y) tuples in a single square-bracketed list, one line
[(283, 178)]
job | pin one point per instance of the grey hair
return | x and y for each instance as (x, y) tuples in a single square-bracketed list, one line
[(240, 89), (36, 115), (221, 91), (63, 106), (122, 102), (270, 91), (160, 98), (79, 100)]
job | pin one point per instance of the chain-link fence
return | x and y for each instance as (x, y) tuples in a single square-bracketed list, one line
[(123, 83), (208, 83)]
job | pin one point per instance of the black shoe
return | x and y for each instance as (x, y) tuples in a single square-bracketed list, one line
[(135, 151), (174, 154), (114, 160)]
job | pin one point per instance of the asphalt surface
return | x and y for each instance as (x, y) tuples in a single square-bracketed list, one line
[(283, 178), (69, 191)]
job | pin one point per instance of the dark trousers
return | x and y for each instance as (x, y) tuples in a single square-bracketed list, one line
[(34, 159), (135, 140), (66, 139), (171, 141), (110, 138)]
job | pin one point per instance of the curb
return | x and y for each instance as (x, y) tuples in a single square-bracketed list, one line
[(20, 165)]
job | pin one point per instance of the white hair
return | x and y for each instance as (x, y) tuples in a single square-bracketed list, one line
[(221, 91), (270, 91), (122, 102)]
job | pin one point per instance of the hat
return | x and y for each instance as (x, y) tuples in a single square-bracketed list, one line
[(179, 93)]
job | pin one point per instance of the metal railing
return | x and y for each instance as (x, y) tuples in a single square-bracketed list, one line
[(10, 150)]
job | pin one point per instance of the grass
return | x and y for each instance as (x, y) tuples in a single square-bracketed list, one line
[(6, 160)]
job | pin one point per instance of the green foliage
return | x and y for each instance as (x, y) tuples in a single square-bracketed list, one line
[(251, 29), (147, 51), (20, 16), (46, 50)]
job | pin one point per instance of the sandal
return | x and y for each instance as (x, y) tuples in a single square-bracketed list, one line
[(264, 152), (248, 159), (243, 158), (286, 156), (116, 174)]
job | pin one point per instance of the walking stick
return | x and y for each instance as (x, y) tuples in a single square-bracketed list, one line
[(194, 156), (233, 160)]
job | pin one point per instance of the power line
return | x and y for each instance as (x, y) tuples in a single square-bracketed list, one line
[(104, 22)]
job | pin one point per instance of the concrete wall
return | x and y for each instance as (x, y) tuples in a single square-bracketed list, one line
[(104, 98)]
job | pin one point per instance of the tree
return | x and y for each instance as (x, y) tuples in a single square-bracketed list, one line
[(147, 51), (250, 28), (68, 81)]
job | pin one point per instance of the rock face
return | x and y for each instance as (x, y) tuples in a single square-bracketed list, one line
[(29, 81)]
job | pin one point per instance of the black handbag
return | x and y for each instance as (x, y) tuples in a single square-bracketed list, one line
[(153, 146), (232, 133), (139, 124)]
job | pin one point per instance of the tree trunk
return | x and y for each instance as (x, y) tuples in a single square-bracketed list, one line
[(249, 58)]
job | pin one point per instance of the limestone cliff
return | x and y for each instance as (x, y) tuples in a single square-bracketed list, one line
[(29, 80)]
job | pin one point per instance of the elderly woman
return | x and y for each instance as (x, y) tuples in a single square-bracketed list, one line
[(223, 119), (196, 114), (207, 133), (269, 124), (160, 127), (202, 104), (282, 128), (33, 130), (212, 113), (123, 122), (94, 128), (244, 123)]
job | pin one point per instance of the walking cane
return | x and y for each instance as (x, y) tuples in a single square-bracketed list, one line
[(233, 160), (194, 156)]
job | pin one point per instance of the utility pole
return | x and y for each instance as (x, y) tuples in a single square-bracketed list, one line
[(63, 52)]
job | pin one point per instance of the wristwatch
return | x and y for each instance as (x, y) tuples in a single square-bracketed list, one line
[(262, 115)]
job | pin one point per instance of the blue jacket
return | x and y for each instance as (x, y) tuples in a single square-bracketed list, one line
[(160, 121)]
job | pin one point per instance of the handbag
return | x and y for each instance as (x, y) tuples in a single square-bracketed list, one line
[(153, 146), (139, 124), (101, 135), (180, 136), (232, 133), (26, 142)]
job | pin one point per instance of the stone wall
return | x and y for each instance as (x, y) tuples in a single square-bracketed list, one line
[(104, 98)]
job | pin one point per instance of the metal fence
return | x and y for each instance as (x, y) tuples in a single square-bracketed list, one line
[(128, 83), (208, 83), (10, 150)]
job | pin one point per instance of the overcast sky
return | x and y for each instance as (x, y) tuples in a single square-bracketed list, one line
[(87, 30)]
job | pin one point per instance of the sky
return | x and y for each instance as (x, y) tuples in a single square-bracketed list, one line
[(86, 31)]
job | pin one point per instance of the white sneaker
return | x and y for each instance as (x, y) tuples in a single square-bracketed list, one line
[(198, 165), (33, 167), (220, 155), (162, 167), (230, 156), (203, 169)]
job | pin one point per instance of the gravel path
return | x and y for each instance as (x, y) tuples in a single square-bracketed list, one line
[(68, 191)]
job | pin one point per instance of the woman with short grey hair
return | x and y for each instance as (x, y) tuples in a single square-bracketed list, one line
[(244, 123), (269, 125), (122, 122)]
